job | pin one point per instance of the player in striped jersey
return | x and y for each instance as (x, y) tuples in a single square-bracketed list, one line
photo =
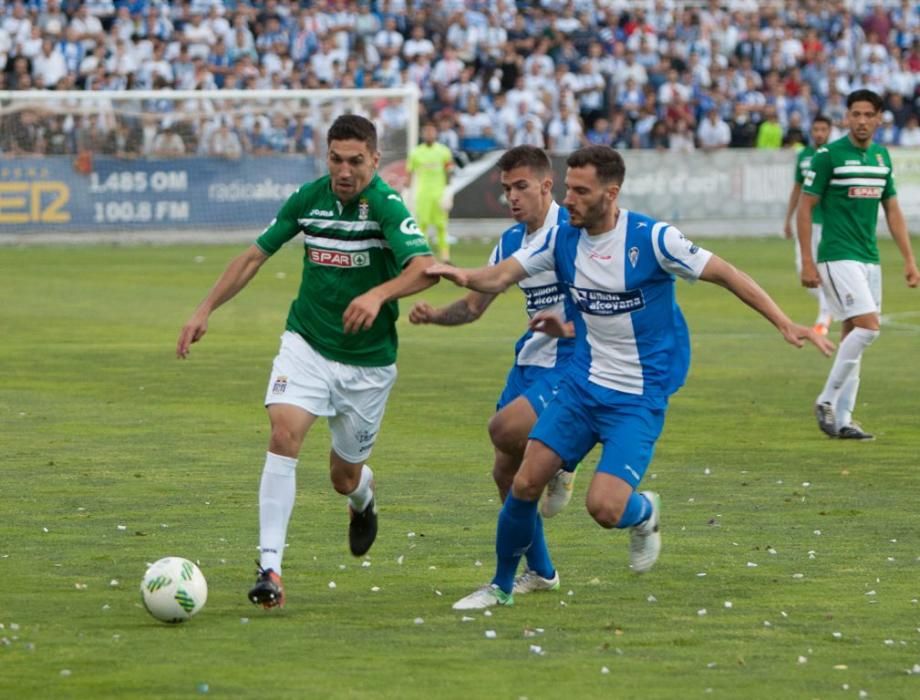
[(362, 252), (632, 352), (849, 177), (527, 182), (820, 132)]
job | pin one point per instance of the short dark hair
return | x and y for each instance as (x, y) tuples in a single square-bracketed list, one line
[(525, 157), (865, 96), (351, 127), (822, 118), (606, 161)]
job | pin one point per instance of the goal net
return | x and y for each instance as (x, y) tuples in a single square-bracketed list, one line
[(177, 161)]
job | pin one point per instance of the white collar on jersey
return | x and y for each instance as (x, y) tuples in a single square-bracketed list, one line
[(552, 215)]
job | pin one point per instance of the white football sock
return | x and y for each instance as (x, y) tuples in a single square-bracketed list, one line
[(276, 501), (824, 311), (844, 408), (362, 495), (846, 363)]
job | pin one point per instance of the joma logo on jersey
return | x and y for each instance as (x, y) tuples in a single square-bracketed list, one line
[(865, 193), (322, 212), (335, 258)]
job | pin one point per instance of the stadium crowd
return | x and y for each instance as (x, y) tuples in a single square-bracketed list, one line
[(660, 74)]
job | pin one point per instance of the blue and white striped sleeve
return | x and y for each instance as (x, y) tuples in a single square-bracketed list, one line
[(677, 254)]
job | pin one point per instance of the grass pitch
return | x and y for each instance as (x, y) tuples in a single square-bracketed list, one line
[(789, 566)]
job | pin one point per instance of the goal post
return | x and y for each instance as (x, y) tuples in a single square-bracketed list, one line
[(174, 160)]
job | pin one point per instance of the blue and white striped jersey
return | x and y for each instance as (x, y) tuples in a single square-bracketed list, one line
[(542, 291), (630, 334)]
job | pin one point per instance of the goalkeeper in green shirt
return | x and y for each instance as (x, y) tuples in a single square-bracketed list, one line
[(429, 166), (362, 252)]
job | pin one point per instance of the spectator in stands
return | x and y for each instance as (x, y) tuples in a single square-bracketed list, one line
[(168, 143), (910, 134), (713, 133), (564, 132), (743, 128), (123, 141), (769, 131)]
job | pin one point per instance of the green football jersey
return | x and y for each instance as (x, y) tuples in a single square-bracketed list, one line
[(429, 164), (802, 166), (349, 249), (850, 182)]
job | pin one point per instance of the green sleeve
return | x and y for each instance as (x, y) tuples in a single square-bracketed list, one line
[(400, 230), (284, 226), (890, 189), (799, 175), (819, 175)]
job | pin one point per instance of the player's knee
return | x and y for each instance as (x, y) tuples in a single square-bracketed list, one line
[(505, 437), (526, 488), (284, 440), (605, 514)]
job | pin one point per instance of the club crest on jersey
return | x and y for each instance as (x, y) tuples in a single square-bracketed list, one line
[(633, 256), (363, 209), (279, 385), (338, 258), (879, 159)]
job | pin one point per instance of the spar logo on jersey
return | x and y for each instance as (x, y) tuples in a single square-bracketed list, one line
[(600, 302), (338, 258), (863, 192), (279, 385), (409, 227)]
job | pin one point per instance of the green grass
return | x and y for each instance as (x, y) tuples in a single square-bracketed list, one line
[(116, 454)]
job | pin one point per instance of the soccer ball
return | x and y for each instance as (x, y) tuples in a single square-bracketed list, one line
[(174, 589)]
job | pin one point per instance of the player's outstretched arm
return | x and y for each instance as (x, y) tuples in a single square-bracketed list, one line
[(490, 279), (237, 275), (362, 311), (722, 273), (898, 228), (810, 277), (465, 310)]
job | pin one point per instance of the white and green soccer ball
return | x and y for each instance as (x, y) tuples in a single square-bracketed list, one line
[(174, 589)]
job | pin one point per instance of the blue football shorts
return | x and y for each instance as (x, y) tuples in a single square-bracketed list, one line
[(580, 416), (536, 384)]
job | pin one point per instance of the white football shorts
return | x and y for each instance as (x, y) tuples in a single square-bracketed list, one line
[(851, 288), (352, 398)]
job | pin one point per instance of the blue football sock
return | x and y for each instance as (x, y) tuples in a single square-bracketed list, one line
[(538, 555), (516, 523), (638, 509)]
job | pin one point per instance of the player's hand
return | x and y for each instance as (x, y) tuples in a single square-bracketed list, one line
[(191, 332), (787, 229), (421, 312), (797, 335), (911, 274), (552, 324), (362, 312), (810, 277), (457, 275)]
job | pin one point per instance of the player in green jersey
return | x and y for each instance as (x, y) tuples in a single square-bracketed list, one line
[(429, 166), (820, 132), (850, 176), (363, 251)]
